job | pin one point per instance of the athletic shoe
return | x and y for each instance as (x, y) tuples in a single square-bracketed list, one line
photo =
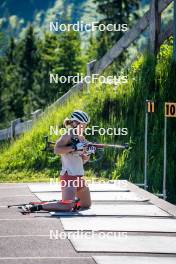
[(25, 209), (76, 206)]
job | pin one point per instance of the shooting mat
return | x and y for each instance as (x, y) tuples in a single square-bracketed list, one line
[(130, 224), (117, 186), (133, 260), (95, 196), (117, 209), (129, 243)]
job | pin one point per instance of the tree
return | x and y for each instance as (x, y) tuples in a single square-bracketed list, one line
[(70, 59), (25, 67), (28, 66), (49, 57), (174, 55), (2, 105), (91, 52), (3, 42), (114, 12), (12, 92), (10, 52), (61, 55)]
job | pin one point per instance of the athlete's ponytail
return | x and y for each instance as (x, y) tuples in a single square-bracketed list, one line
[(67, 122)]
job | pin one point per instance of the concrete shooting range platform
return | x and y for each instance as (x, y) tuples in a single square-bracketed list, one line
[(130, 224), (116, 186), (133, 260), (118, 210), (131, 243), (95, 196), (124, 224)]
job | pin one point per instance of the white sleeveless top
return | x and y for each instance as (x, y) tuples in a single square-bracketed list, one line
[(72, 163)]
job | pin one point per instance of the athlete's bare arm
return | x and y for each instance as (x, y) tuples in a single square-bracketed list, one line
[(85, 158), (62, 147)]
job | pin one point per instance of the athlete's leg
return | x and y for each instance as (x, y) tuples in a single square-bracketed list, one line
[(50, 206), (68, 194), (64, 205), (83, 194)]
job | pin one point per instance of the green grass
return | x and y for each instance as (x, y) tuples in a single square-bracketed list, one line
[(147, 79)]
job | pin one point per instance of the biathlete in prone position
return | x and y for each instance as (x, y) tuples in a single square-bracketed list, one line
[(71, 148)]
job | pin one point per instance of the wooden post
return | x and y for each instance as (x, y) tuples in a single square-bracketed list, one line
[(154, 26), (12, 128), (90, 67), (174, 31)]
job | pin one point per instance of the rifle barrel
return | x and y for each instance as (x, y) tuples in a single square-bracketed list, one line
[(108, 145)]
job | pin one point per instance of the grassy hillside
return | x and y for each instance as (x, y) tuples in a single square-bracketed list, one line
[(147, 79)]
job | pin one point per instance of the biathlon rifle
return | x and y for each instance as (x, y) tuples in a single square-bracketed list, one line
[(49, 146), (31, 203), (75, 207), (98, 145)]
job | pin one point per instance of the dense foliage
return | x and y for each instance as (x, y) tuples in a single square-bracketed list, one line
[(24, 72), (115, 12)]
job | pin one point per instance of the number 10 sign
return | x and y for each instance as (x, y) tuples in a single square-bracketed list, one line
[(170, 109)]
